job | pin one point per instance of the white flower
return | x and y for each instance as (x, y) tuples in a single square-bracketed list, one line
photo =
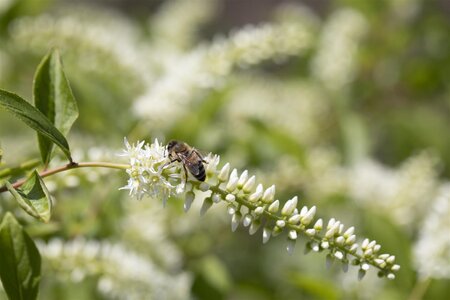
[(403, 194), (334, 63), (96, 40), (207, 66), (147, 165), (177, 23), (432, 251), (122, 273)]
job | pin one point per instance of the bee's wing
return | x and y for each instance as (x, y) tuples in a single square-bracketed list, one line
[(203, 155), (193, 167)]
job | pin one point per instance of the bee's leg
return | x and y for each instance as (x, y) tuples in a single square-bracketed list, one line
[(185, 174), (172, 160), (167, 164)]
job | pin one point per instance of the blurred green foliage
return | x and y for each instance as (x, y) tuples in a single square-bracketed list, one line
[(394, 107)]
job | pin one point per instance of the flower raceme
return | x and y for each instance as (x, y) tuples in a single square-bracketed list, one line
[(252, 205)]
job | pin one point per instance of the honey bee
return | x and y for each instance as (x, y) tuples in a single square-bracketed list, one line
[(190, 158)]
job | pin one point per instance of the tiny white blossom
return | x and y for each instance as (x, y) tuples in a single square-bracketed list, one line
[(146, 168)]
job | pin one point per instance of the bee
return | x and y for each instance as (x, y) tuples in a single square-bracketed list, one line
[(190, 158)]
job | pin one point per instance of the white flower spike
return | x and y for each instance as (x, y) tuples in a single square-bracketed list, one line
[(152, 174)]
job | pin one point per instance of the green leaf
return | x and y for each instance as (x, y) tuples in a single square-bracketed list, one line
[(53, 97), (20, 262), (215, 273), (33, 197), (24, 111)]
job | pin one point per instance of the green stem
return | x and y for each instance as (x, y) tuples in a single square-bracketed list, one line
[(420, 289), (70, 166)]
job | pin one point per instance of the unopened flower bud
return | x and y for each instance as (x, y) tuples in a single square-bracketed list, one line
[(259, 210), (390, 259), (232, 183), (391, 276), (395, 268), (309, 216), (242, 179), (268, 195), (230, 197), (349, 232), (340, 240), (266, 234), (310, 232), (207, 203), (273, 208), (339, 255), (318, 225), (281, 223), (257, 194), (248, 186), (294, 219), (289, 206), (235, 219), (248, 218), (223, 174), (189, 198), (254, 226)]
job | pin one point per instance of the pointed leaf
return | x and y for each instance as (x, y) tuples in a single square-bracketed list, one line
[(20, 261), (27, 113), (33, 197), (53, 97)]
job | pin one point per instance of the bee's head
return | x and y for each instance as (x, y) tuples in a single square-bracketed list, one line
[(171, 145)]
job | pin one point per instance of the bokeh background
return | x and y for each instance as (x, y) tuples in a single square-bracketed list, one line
[(345, 103)]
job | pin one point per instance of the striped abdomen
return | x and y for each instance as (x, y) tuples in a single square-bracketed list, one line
[(201, 172), (194, 164)]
